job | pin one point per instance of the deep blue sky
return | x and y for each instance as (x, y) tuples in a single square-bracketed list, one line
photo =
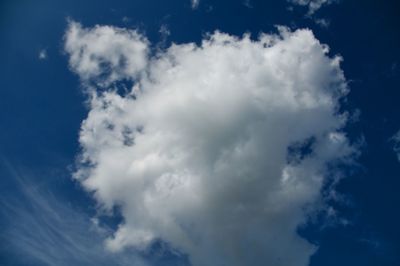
[(42, 105)]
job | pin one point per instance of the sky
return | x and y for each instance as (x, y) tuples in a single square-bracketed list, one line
[(199, 132)]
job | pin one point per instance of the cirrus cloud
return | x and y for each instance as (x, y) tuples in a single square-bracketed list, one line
[(207, 150)]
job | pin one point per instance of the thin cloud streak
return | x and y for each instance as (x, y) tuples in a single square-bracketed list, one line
[(38, 228)]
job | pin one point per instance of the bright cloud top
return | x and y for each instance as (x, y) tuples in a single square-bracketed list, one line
[(312, 5), (205, 152)]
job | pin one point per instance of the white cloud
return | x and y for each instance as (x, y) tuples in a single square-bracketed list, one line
[(164, 31), (164, 34), (195, 3), (42, 54), (105, 54), (196, 154), (312, 5), (324, 23), (396, 146), (40, 228)]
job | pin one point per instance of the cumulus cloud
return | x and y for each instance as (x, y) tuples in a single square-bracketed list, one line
[(312, 5), (219, 149), (105, 54)]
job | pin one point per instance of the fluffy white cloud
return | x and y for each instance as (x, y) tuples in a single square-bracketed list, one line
[(105, 54), (312, 5), (207, 151)]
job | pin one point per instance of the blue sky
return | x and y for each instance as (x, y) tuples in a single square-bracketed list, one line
[(49, 218)]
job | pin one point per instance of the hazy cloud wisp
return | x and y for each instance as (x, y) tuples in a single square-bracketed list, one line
[(195, 3), (396, 144), (312, 5), (38, 228)]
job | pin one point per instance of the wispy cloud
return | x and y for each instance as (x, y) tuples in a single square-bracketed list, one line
[(396, 144), (42, 54), (247, 3), (195, 3), (312, 5), (324, 23), (38, 228)]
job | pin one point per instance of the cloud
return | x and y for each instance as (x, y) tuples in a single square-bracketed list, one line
[(164, 34), (219, 149), (195, 3), (396, 141), (324, 23), (105, 54), (39, 228), (42, 54), (312, 5), (247, 3)]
